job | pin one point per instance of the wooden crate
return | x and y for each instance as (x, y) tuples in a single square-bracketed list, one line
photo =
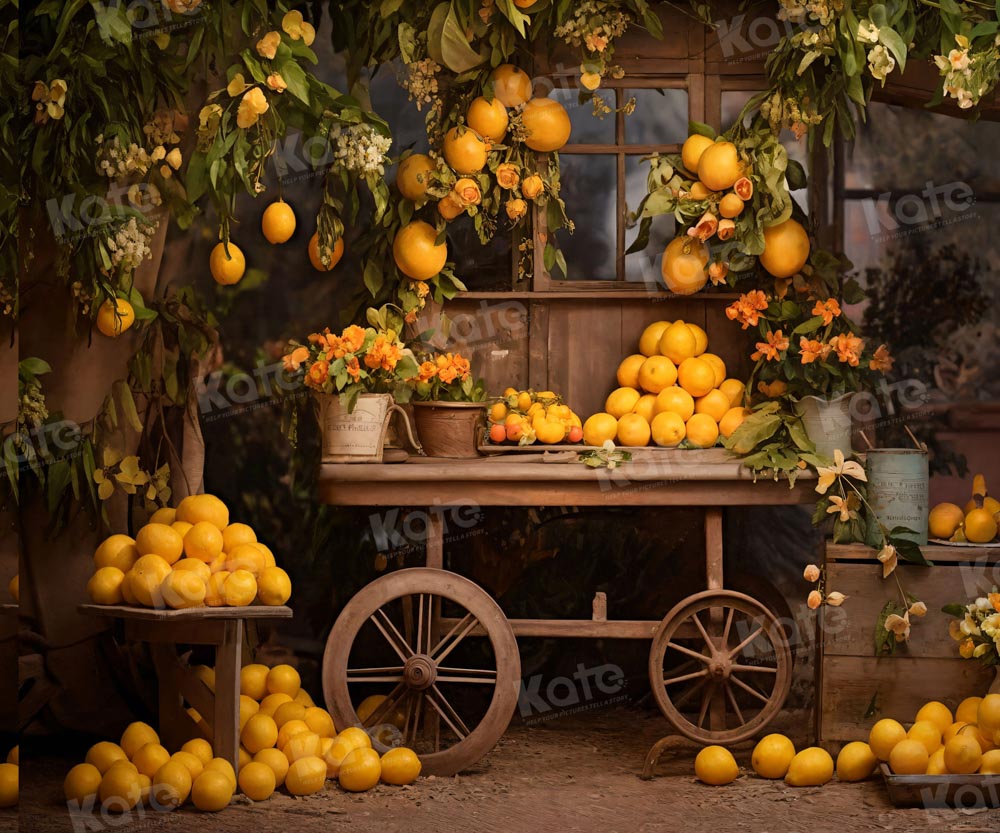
[(856, 688)]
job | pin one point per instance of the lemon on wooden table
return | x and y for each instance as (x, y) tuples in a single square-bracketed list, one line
[(273, 586), (856, 762), (715, 765), (161, 540), (237, 533), (937, 713), (980, 526), (696, 376), (944, 519), (968, 710), (667, 429), (278, 222), (988, 713), (702, 431), (700, 338), (731, 420), (182, 589), (633, 430), (884, 735), (927, 733), (628, 371), (200, 748), (909, 757), (772, 756), (962, 754), (203, 541), (400, 766), (646, 407), (734, 389), (936, 764), (649, 341), (240, 588), (812, 767), (215, 589), (678, 342), (203, 507), (675, 400), (718, 367), (223, 766), (657, 373), (105, 586), (289, 730), (714, 403), (599, 428), (989, 764), (621, 401), (116, 551), (199, 568), (164, 515)]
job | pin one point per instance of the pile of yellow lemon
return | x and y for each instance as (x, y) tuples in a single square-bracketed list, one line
[(528, 416), (285, 741), (188, 557), (9, 778), (977, 523), (774, 757), (939, 743), (672, 391)]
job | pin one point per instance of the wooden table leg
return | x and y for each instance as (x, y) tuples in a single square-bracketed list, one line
[(173, 721), (227, 692), (435, 539), (714, 581)]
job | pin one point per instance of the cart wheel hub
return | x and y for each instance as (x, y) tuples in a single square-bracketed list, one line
[(420, 672), (718, 669)]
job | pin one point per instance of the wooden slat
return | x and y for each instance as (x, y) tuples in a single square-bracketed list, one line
[(192, 613), (583, 628), (597, 290), (938, 553), (199, 695), (899, 686), (173, 722), (226, 728), (181, 632)]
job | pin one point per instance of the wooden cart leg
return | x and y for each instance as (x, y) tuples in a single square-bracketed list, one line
[(227, 692), (714, 581), (173, 721), (435, 539)]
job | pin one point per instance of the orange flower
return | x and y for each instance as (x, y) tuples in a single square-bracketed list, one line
[(881, 360), (508, 176), (423, 290), (428, 370), (293, 361), (532, 187), (718, 272), (774, 390), (995, 601), (811, 350), (353, 368), (382, 354), (770, 349), (516, 209), (318, 373), (828, 309), (748, 308), (353, 337), (467, 191), (848, 348)]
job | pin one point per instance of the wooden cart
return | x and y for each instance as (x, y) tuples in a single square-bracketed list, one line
[(719, 664)]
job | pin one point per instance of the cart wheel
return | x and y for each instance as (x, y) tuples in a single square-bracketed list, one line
[(403, 636), (735, 669)]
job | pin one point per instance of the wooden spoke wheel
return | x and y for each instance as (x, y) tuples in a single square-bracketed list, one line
[(720, 666), (404, 637)]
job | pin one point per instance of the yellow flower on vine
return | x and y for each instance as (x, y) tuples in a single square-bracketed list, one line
[(267, 46), (252, 107), (236, 86), (828, 475), (297, 28)]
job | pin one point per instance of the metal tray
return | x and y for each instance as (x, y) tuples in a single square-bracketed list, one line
[(960, 791)]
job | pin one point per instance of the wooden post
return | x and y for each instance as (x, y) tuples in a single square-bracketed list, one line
[(713, 549), (226, 730), (600, 607), (435, 540)]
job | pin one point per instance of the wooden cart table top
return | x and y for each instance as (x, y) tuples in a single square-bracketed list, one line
[(654, 477), (189, 614)]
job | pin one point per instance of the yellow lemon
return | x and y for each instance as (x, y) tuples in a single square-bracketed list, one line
[(9, 778), (276, 761), (215, 589), (772, 756), (257, 780), (718, 367), (856, 762), (334, 754), (145, 578), (253, 680), (193, 763), (164, 515), (884, 735), (812, 767), (962, 755), (700, 339), (731, 420), (223, 766), (546, 124), (980, 526), (273, 586), (968, 710), (909, 757), (678, 342), (136, 736), (719, 166), (116, 551), (943, 520), (150, 757), (464, 150), (714, 403), (240, 588), (416, 251), (306, 776), (400, 766), (171, 785), (696, 376), (599, 428), (82, 782), (692, 149), (716, 765), (414, 176), (990, 763), (316, 256), (270, 703), (675, 400), (511, 85), (936, 764), (953, 730), (360, 770), (183, 589), (649, 341), (244, 759), (319, 721), (283, 679), (302, 745), (786, 249), (200, 748), (161, 540), (633, 430), (259, 732), (646, 407), (621, 401), (245, 557), (289, 729), (730, 206), (702, 431), (278, 222), (488, 118), (983, 737), (734, 389), (657, 373), (683, 265), (236, 534), (927, 733), (248, 708), (203, 541), (628, 371), (204, 507), (105, 586), (988, 713), (120, 790), (667, 429), (227, 268), (104, 754), (211, 792), (110, 324), (180, 527), (199, 568), (937, 713)]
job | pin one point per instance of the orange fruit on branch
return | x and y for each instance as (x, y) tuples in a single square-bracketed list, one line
[(416, 251), (692, 149), (414, 175), (786, 249), (488, 118), (335, 254), (719, 166), (464, 150), (227, 268), (278, 222), (511, 85), (110, 324), (683, 265), (546, 124)]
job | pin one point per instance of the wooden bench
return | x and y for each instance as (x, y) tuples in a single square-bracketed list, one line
[(221, 627)]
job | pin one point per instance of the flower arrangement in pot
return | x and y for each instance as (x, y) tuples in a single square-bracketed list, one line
[(448, 406), (976, 629)]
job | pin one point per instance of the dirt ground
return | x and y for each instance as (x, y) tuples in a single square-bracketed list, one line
[(575, 773)]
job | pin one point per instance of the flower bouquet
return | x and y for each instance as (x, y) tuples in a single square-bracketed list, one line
[(976, 628), (447, 377)]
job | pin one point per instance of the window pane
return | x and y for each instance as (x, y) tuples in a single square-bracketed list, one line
[(660, 117), (906, 149), (644, 266), (587, 128), (589, 187)]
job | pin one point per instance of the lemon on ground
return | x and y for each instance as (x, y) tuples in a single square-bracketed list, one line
[(488, 118), (136, 736), (333, 255), (319, 721), (183, 589), (702, 431), (303, 698), (772, 756), (714, 403), (306, 776), (927, 733), (278, 222), (731, 420), (199, 568), (413, 176), (356, 736), (683, 265), (81, 782), (657, 373), (215, 589), (200, 748), (786, 249), (980, 526), (733, 388), (257, 780), (962, 754), (812, 767), (464, 150), (719, 166), (302, 745), (161, 540), (675, 400), (937, 713), (936, 764), (649, 341), (104, 754), (716, 765), (368, 706), (334, 754), (884, 735), (289, 729), (628, 371), (259, 732), (9, 777), (164, 515), (248, 708), (944, 519), (692, 149), (283, 679), (967, 711), (105, 586), (633, 430), (990, 763), (116, 551), (360, 770), (253, 680), (223, 766), (400, 766), (120, 790), (988, 712), (273, 586), (599, 428), (171, 785), (110, 324), (856, 762), (270, 703), (211, 791), (667, 429), (240, 588), (275, 760), (909, 757), (150, 757), (646, 407), (193, 763), (227, 268), (678, 342), (244, 758), (511, 85), (416, 251), (621, 401), (696, 376)]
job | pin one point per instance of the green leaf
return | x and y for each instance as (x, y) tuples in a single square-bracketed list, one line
[(753, 431), (702, 129), (885, 640), (373, 278), (455, 50), (295, 78), (894, 43), (128, 405), (34, 366), (518, 19), (955, 610)]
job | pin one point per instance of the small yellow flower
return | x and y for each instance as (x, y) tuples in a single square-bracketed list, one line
[(174, 158), (814, 599), (276, 82), (836, 598), (829, 474), (532, 186), (297, 28), (516, 209), (887, 555), (590, 80), (811, 573), (898, 625), (267, 46), (252, 107)]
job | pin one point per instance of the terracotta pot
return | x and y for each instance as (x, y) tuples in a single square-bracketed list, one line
[(449, 429), (827, 422)]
